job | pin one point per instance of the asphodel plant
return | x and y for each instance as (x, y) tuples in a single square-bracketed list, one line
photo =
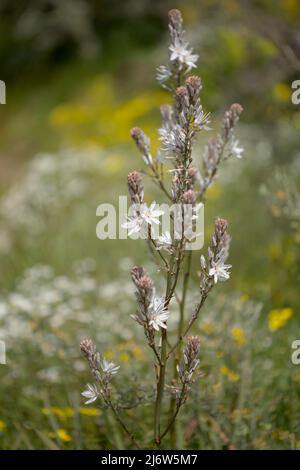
[(183, 182)]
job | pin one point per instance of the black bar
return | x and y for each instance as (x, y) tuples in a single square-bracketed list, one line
[(147, 458)]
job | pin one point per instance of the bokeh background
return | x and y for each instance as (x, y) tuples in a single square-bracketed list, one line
[(79, 74)]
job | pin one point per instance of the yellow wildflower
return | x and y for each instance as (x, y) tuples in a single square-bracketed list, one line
[(108, 355), (281, 92), (62, 434), (90, 411), (239, 336), (244, 297), (207, 328), (2, 425), (296, 377), (232, 376), (124, 357), (224, 370), (214, 192), (137, 352), (277, 318), (98, 116), (62, 413)]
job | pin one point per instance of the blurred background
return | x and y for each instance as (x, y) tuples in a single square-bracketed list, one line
[(79, 74)]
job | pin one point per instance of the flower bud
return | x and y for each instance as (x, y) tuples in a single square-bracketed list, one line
[(182, 99), (135, 186), (86, 346), (143, 143), (189, 197), (193, 85), (136, 273), (175, 18)]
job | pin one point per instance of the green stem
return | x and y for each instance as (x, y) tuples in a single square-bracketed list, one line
[(172, 411), (175, 413), (124, 427), (160, 387), (162, 367)]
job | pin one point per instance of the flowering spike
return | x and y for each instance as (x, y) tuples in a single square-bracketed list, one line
[(143, 144), (218, 252), (135, 187)]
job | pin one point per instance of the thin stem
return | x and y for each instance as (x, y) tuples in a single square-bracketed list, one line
[(184, 292), (153, 347), (160, 183), (186, 277), (173, 418), (122, 424), (150, 338), (160, 387), (157, 251), (162, 369), (189, 325), (179, 259), (214, 172)]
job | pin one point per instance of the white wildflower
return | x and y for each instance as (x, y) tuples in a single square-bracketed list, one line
[(165, 242), (136, 224), (183, 54), (109, 368), (202, 119), (173, 139), (159, 313), (151, 214), (219, 271), (163, 74), (203, 262), (142, 218), (91, 393), (236, 150)]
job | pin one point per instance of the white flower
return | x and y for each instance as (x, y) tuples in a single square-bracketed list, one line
[(174, 391), (109, 368), (181, 52), (219, 271), (203, 262), (136, 224), (151, 214), (202, 119), (165, 242), (147, 159), (173, 139), (91, 393), (163, 74), (159, 313), (236, 150), (142, 218)]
